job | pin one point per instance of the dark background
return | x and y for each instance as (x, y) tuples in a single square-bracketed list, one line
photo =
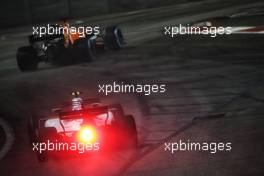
[(23, 12), (205, 77)]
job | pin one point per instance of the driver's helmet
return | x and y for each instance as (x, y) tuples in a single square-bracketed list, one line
[(76, 101)]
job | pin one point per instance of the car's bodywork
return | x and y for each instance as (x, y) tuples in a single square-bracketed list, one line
[(108, 125), (61, 49)]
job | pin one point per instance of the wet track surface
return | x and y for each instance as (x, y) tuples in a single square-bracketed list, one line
[(203, 75)]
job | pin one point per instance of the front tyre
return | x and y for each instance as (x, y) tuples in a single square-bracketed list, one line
[(27, 59)]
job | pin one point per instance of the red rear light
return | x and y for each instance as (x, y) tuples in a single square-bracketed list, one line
[(87, 134)]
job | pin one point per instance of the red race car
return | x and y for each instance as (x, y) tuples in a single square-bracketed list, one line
[(82, 126)]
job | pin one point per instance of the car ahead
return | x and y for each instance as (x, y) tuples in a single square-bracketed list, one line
[(86, 122), (65, 49)]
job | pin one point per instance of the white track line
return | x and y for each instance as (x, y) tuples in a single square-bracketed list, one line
[(247, 30), (9, 139)]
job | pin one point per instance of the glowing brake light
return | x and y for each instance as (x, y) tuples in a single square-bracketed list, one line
[(87, 135)]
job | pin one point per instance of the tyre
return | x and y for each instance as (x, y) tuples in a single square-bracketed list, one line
[(32, 125), (54, 55), (117, 111), (35, 138), (114, 38), (42, 157), (51, 53), (86, 48), (27, 59), (131, 131), (45, 134)]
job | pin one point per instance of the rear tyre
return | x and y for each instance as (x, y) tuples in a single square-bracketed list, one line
[(27, 59), (34, 137), (54, 55), (131, 131), (42, 157), (32, 126), (45, 134), (117, 111), (114, 38)]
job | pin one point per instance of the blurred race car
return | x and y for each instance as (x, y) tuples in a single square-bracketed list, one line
[(67, 48), (102, 127)]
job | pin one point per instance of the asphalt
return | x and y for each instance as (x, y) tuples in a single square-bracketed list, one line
[(204, 76)]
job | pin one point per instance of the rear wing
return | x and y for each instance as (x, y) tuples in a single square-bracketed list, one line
[(92, 112)]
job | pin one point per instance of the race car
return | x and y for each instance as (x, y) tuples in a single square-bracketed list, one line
[(86, 122), (66, 48)]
